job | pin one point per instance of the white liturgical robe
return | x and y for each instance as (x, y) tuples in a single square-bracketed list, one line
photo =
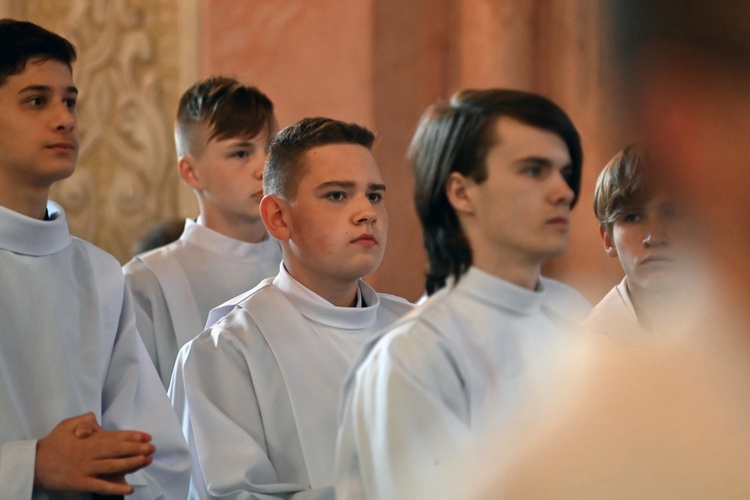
[(467, 356), (174, 287), (70, 346), (615, 315), (258, 392)]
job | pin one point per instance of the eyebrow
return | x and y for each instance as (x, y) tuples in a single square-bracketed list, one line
[(349, 185), (242, 144), (46, 88), (540, 161)]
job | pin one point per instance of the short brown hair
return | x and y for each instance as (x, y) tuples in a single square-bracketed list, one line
[(285, 163), (620, 185), (227, 107)]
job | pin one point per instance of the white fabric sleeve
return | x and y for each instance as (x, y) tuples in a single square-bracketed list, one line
[(152, 316), (17, 462), (134, 398)]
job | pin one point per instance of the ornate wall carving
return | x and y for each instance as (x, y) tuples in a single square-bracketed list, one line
[(133, 63)]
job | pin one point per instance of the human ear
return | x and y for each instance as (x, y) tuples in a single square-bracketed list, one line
[(186, 167), (609, 247), (274, 212), (458, 192)]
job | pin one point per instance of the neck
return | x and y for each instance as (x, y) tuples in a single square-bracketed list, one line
[(339, 293), (29, 202), (523, 273), (249, 231), (650, 307)]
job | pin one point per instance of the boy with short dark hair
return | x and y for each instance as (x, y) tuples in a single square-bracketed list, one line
[(640, 227), (287, 345), (73, 371), (497, 172), (222, 130)]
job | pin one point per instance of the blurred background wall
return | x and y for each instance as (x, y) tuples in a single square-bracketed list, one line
[(376, 62)]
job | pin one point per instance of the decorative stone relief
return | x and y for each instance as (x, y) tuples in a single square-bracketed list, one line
[(130, 78)]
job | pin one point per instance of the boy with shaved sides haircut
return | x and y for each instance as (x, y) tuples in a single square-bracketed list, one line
[(222, 131), (82, 411), (287, 345), (497, 173)]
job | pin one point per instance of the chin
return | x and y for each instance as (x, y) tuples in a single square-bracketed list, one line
[(360, 270), (555, 251), (63, 173)]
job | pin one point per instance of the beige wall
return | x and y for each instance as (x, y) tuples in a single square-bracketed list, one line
[(381, 62), (377, 62)]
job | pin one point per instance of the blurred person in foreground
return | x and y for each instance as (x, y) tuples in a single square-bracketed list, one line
[(669, 421)]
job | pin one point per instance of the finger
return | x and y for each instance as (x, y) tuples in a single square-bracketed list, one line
[(118, 466), (137, 436), (83, 431), (104, 486)]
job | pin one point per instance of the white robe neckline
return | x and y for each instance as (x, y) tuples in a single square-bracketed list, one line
[(28, 236), (315, 308), (195, 233)]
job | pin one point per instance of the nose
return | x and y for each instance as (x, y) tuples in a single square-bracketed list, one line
[(656, 236), (365, 212), (258, 172), (562, 193), (64, 117)]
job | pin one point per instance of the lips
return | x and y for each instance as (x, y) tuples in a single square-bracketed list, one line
[(63, 147), (656, 259), (558, 221), (365, 239)]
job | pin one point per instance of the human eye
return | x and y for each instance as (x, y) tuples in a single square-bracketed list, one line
[(70, 103), (375, 197), (335, 196), (533, 170), (240, 154), (567, 173), (632, 217), (37, 101)]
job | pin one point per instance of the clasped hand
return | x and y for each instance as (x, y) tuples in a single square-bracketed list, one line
[(78, 455)]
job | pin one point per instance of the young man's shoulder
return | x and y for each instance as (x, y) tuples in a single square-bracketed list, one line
[(420, 324), (565, 300), (261, 299), (395, 303), (613, 314), (152, 258), (104, 265)]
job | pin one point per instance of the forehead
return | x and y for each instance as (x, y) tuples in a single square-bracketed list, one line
[(516, 140), (38, 72), (339, 162)]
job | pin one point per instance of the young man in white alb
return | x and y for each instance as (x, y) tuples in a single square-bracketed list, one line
[(259, 390), (497, 172), (82, 411)]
